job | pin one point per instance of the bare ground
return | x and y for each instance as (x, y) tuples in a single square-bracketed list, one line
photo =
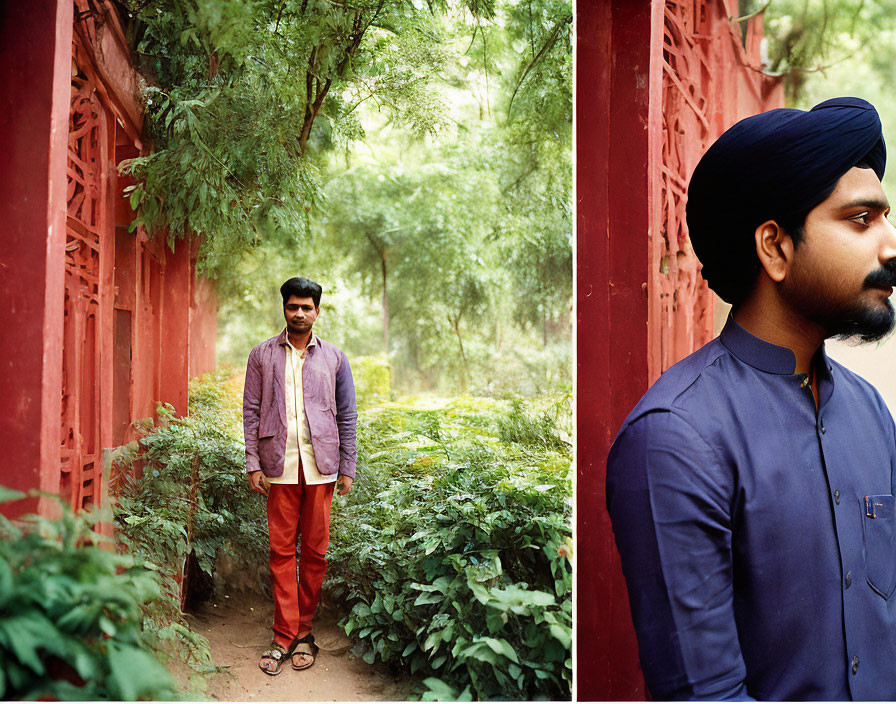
[(239, 630)]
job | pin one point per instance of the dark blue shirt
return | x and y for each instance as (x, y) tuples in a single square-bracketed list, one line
[(756, 533)]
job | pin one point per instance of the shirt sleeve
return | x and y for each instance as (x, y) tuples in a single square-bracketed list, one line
[(346, 418), (670, 503), (251, 410)]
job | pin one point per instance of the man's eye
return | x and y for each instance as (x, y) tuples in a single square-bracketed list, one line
[(861, 218)]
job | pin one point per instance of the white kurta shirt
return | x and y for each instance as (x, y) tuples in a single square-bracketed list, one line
[(299, 452)]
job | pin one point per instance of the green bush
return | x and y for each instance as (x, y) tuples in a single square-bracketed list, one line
[(71, 614), (453, 551), (182, 500), (541, 431), (193, 496), (373, 379), (451, 555)]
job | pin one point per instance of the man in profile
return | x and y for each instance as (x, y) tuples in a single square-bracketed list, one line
[(751, 489), (299, 420)]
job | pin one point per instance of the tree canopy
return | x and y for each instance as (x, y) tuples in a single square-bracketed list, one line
[(418, 151)]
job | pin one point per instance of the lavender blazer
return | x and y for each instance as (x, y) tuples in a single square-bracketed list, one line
[(329, 397)]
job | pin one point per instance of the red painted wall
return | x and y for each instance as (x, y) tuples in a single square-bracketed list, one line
[(97, 320), (203, 319), (35, 43), (612, 62)]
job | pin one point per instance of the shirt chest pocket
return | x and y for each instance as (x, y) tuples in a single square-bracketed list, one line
[(879, 535)]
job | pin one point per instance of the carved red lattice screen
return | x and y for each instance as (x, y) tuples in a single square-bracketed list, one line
[(131, 305), (86, 229), (94, 312), (710, 78)]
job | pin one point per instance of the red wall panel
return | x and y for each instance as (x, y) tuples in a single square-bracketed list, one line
[(35, 41)]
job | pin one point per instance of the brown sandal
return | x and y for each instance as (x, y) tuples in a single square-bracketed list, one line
[(304, 646), (278, 654)]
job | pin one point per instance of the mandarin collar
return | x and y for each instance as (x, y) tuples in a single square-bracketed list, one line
[(283, 339), (774, 359), (763, 355)]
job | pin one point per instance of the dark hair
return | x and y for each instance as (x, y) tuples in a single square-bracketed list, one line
[(740, 284), (303, 288)]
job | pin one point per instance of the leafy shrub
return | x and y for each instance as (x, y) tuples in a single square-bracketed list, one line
[(373, 379), (71, 614), (453, 552), (542, 431), (218, 397), (450, 555), (182, 501), (192, 496)]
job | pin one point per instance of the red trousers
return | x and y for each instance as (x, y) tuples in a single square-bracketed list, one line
[(297, 510)]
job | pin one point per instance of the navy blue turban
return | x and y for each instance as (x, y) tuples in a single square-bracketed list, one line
[(777, 165)]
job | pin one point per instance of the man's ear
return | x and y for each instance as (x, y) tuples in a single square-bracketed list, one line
[(774, 248)]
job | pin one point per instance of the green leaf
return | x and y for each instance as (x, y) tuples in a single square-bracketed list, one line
[(562, 634), (133, 673), (107, 626), (7, 494), (439, 691), (428, 599), (502, 647), (432, 641)]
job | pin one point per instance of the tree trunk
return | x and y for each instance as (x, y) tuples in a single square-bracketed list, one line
[(455, 323), (385, 309)]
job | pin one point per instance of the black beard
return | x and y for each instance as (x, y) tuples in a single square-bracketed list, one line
[(863, 324), (868, 324)]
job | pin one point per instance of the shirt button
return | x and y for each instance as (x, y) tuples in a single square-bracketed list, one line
[(823, 431), (805, 382), (855, 664), (837, 497), (849, 579)]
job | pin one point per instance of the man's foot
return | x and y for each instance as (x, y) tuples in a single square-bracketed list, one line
[(272, 659), (305, 652)]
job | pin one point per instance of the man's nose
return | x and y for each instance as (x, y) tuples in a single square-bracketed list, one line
[(888, 245)]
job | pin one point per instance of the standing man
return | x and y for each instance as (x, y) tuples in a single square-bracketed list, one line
[(751, 488), (299, 420)]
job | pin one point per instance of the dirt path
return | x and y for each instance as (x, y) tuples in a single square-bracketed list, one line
[(239, 630)]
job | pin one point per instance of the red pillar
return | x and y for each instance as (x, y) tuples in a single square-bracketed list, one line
[(612, 217), (175, 327), (35, 66)]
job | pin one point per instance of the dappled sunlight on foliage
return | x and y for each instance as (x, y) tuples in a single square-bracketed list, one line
[(454, 548), (244, 98), (448, 250), (450, 558)]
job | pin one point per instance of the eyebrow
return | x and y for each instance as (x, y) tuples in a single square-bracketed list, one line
[(870, 203)]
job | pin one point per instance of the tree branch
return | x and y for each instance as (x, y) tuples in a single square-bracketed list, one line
[(548, 45)]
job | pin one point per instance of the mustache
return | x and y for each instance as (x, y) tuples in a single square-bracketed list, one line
[(885, 276)]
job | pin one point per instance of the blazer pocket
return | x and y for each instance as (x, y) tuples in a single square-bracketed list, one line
[(268, 454), (879, 535), (269, 429)]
